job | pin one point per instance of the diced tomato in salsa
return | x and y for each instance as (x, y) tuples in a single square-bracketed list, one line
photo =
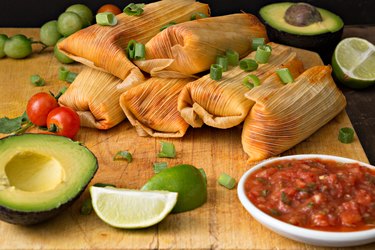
[(315, 193)]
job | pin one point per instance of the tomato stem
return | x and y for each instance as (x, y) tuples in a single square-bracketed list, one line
[(52, 128)]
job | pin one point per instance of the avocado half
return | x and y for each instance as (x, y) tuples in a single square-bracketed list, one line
[(319, 36), (41, 175)]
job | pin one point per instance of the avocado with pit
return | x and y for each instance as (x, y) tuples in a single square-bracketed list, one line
[(41, 175), (302, 25)]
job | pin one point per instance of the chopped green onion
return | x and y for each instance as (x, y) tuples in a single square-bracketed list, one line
[(106, 19), (167, 25), (233, 57), (37, 80), (263, 53), (71, 77), (216, 72), (86, 207), (248, 65), (346, 135), (203, 174), (134, 9), (130, 49), (275, 212), (63, 73), (310, 204), (256, 42), (123, 155), (197, 14), (140, 51), (159, 166), (99, 184), (167, 150), (285, 75), (285, 199), (226, 181), (251, 81), (222, 61)]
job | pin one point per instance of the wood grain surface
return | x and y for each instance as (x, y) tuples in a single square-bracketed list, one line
[(221, 223)]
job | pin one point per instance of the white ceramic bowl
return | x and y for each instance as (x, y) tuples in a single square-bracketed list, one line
[(309, 236)]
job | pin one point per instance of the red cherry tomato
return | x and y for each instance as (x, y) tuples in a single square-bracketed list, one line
[(39, 106), (63, 121), (110, 8)]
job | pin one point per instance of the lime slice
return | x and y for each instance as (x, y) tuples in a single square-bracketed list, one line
[(353, 62), (125, 208)]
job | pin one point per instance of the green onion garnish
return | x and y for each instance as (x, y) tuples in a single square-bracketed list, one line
[(197, 15), (63, 73), (233, 57), (99, 184), (106, 19), (123, 155), (70, 77), (346, 135), (248, 65), (226, 181), (130, 49), (222, 61), (251, 81), (140, 51), (86, 207), (167, 25), (216, 72), (285, 75), (203, 174), (37, 80), (159, 166), (263, 53), (134, 9), (257, 42), (167, 150)]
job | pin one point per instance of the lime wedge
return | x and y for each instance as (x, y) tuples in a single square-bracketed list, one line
[(353, 62), (123, 208)]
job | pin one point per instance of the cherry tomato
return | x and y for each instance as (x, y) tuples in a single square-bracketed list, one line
[(110, 8), (63, 121), (39, 106)]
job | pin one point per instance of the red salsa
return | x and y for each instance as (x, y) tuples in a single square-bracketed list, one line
[(316, 194)]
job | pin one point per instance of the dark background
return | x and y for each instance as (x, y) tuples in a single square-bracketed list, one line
[(33, 13)]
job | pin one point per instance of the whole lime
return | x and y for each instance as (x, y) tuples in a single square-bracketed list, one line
[(83, 12), (61, 57), (3, 39), (49, 35), (69, 23), (18, 46)]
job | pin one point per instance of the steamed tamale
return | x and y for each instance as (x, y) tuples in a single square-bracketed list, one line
[(222, 104), (94, 95), (283, 117), (188, 48), (152, 107), (103, 47)]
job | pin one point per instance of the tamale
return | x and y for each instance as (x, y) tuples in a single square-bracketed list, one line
[(94, 95), (103, 47), (283, 117), (188, 48), (152, 107), (222, 104)]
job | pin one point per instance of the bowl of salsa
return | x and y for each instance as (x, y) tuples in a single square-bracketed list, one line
[(321, 200)]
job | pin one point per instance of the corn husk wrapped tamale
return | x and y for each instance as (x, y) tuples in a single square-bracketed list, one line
[(191, 47), (222, 104), (283, 117), (94, 95), (152, 107), (103, 47)]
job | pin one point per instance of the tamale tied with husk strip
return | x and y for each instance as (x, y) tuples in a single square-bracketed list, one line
[(103, 47), (94, 95), (222, 103), (283, 117), (185, 49), (152, 107)]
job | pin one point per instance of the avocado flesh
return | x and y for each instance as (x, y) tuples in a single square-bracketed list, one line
[(273, 15), (40, 175)]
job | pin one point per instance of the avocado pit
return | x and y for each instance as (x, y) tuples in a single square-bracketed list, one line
[(302, 14)]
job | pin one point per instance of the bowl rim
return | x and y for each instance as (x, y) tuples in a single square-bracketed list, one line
[(292, 229)]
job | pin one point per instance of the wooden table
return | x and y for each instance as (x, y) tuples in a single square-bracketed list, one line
[(221, 223)]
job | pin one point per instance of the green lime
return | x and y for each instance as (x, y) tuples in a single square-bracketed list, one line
[(68, 23), (3, 39), (125, 208), (353, 62), (83, 12), (49, 34), (59, 55), (18, 46), (186, 180)]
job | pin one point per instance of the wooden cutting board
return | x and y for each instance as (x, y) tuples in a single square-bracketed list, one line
[(222, 223)]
